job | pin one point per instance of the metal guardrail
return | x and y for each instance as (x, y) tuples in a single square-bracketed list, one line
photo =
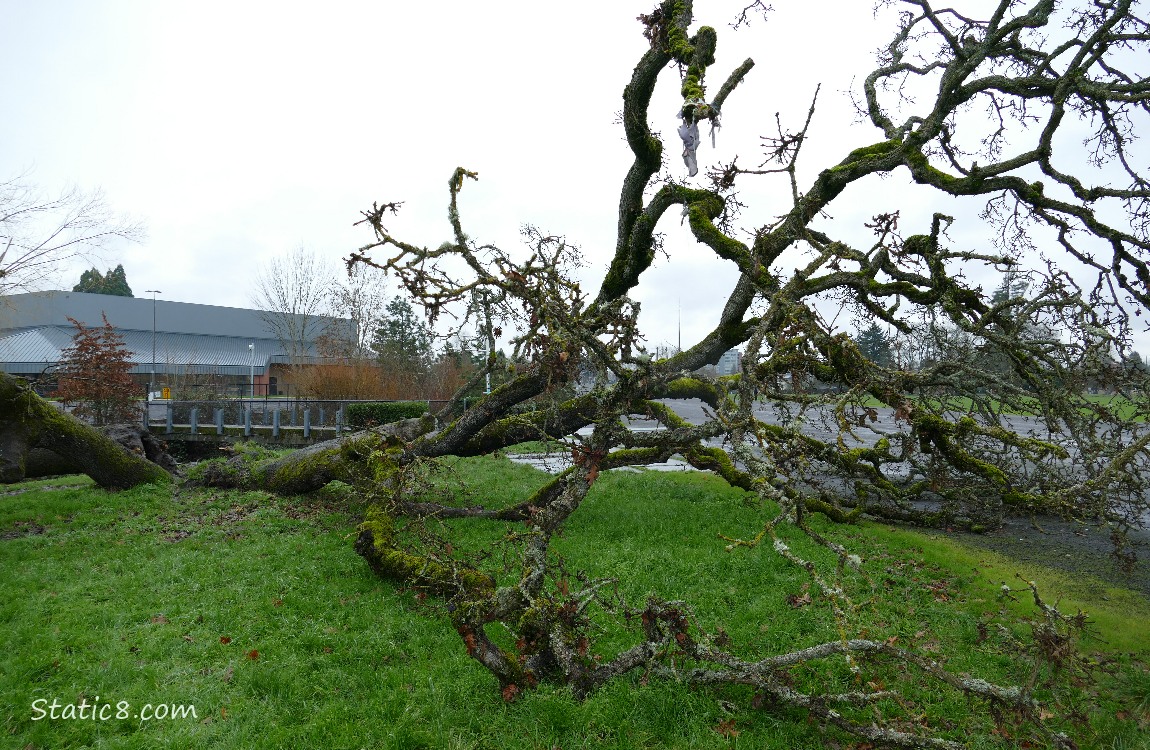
[(213, 421), (287, 420)]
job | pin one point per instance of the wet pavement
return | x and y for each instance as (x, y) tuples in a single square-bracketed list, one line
[(553, 463)]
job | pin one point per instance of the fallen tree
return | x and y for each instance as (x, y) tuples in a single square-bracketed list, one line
[(959, 457), (37, 439), (1006, 90)]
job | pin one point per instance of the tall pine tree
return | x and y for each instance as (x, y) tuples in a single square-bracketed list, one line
[(91, 282), (116, 282), (874, 345), (402, 339)]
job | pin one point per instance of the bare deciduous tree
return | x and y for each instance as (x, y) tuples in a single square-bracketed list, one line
[(361, 298), (294, 292), (1008, 90), (39, 234)]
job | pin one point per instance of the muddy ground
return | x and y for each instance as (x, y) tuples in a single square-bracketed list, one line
[(1071, 547)]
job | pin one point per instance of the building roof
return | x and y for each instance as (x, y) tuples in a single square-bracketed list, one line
[(36, 309), (189, 338)]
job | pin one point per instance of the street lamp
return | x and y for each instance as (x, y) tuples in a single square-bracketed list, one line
[(152, 377), (252, 366)]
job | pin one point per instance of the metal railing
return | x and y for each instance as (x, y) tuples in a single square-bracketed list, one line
[(247, 417)]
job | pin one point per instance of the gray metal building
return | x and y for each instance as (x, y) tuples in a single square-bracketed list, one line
[(188, 338)]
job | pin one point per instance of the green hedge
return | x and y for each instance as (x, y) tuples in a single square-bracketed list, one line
[(360, 416)]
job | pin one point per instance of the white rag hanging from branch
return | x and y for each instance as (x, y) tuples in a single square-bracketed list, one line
[(689, 130)]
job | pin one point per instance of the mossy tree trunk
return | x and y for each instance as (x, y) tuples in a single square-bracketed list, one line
[(29, 425)]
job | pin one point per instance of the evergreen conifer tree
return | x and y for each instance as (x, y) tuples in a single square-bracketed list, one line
[(114, 282), (91, 282), (874, 345)]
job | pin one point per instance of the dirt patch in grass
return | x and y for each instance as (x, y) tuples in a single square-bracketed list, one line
[(22, 529), (324, 509), (43, 488), (1072, 547)]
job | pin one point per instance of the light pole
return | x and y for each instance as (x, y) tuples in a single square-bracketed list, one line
[(152, 377), (252, 366)]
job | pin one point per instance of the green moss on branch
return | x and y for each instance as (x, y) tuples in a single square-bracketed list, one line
[(378, 545), (27, 422)]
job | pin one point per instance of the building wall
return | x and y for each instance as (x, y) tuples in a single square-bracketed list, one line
[(189, 342), (730, 363)]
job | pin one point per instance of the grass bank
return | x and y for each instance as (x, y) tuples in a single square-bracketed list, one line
[(1121, 407), (254, 610)]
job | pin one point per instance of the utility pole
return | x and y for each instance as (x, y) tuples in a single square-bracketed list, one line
[(152, 376)]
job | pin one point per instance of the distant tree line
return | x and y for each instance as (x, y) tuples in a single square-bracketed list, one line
[(933, 341)]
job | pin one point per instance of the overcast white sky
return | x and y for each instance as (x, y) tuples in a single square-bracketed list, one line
[(241, 130)]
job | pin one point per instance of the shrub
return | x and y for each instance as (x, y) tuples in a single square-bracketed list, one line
[(360, 416), (95, 375)]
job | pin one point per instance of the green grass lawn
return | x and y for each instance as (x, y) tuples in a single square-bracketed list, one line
[(256, 611)]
